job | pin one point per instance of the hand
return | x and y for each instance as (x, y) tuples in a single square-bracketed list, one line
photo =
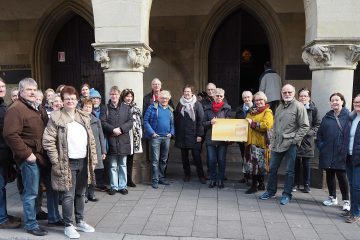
[(103, 156), (249, 120), (213, 121), (31, 158), (169, 135), (198, 139), (155, 135), (117, 131)]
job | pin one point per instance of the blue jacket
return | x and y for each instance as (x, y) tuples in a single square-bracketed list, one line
[(151, 121), (355, 159), (333, 143)]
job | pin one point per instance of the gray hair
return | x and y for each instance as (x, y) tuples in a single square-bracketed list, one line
[(261, 95), (165, 93), (155, 80), (26, 82), (14, 89), (220, 91), (39, 93), (246, 93)]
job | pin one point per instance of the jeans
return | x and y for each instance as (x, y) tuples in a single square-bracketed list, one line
[(275, 161), (3, 209), (343, 183), (52, 198), (197, 159), (75, 197), (305, 170), (353, 174), (216, 157), (30, 173), (117, 172), (159, 155)]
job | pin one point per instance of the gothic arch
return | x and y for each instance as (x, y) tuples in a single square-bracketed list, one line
[(49, 25), (261, 11)]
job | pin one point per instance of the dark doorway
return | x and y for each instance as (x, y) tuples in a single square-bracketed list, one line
[(237, 54), (72, 59)]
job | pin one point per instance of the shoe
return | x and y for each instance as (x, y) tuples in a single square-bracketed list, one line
[(346, 206), (41, 216), (38, 231), (330, 201), (84, 227), (202, 180), (131, 184), (92, 199), (155, 185), (112, 191), (346, 214), (266, 195), (164, 182), (212, 184), (251, 190), (306, 189), (101, 188), (10, 225), (294, 189), (71, 232), (353, 219), (187, 179), (221, 184), (123, 191), (13, 218), (284, 200), (261, 186), (59, 223)]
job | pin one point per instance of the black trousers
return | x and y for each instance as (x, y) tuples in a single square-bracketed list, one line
[(343, 183), (197, 159)]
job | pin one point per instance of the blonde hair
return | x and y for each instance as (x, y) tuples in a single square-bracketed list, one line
[(220, 91), (261, 95)]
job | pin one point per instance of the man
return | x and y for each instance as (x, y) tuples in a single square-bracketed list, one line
[(159, 128), (14, 94), (24, 125), (270, 84), (291, 125), (153, 96), (210, 90)]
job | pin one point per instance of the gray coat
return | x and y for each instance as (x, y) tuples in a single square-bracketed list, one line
[(99, 140)]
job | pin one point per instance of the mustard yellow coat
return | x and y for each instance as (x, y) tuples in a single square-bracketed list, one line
[(264, 122)]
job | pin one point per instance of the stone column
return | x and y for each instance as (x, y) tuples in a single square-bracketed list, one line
[(124, 66), (332, 64)]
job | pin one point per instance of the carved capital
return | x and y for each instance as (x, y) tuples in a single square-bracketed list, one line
[(139, 57), (102, 56), (318, 56), (353, 54)]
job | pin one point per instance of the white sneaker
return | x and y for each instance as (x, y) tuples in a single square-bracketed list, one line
[(346, 206), (84, 227), (71, 232), (330, 201)]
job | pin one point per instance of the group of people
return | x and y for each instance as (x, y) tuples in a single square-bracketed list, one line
[(59, 140)]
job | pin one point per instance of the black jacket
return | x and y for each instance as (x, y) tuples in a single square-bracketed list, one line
[(112, 118), (187, 130), (5, 153)]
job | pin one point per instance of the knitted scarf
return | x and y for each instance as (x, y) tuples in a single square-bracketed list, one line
[(217, 106), (188, 106)]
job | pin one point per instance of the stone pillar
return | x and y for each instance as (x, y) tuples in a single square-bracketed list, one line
[(332, 65)]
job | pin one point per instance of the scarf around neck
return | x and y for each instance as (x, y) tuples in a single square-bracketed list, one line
[(188, 106), (255, 110), (217, 106)]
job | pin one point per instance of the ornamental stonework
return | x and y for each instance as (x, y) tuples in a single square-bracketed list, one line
[(102, 56), (139, 58)]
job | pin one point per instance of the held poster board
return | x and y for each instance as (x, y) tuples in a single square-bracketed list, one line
[(234, 130)]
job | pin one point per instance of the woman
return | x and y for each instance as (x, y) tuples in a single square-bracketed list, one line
[(333, 143), (353, 163), (189, 131), (48, 95), (85, 94), (71, 147), (306, 149), (216, 150), (260, 120), (127, 96)]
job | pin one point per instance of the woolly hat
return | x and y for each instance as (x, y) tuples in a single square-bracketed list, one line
[(94, 93)]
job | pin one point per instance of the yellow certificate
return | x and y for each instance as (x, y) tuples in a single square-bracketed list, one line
[(235, 130)]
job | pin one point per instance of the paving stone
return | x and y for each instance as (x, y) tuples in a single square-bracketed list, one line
[(131, 228), (179, 231), (230, 229)]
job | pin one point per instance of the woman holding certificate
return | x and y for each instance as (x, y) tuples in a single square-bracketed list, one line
[(216, 150), (261, 120)]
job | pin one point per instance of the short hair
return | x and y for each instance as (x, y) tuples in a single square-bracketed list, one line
[(156, 79), (340, 96), (267, 64), (126, 92), (304, 89), (87, 101), (69, 90), (39, 93), (245, 93), (2, 80), (114, 89), (207, 85), (260, 94), (59, 88), (192, 88), (84, 85), (14, 89), (289, 85), (48, 90), (165, 93), (52, 99), (220, 91), (26, 82)]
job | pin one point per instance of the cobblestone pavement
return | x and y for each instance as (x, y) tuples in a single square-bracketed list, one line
[(189, 211)]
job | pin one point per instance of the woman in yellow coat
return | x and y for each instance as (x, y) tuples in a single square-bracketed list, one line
[(261, 120)]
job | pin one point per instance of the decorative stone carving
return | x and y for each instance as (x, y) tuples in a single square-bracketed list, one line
[(318, 56), (353, 55), (139, 57), (102, 56)]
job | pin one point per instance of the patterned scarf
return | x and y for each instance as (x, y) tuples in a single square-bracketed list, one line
[(188, 106), (255, 110)]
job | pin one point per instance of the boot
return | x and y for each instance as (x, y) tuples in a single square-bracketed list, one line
[(129, 166), (245, 179), (261, 185), (253, 188)]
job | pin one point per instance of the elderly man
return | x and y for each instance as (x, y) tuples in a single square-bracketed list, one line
[(291, 125), (210, 91), (159, 128), (153, 96), (24, 125)]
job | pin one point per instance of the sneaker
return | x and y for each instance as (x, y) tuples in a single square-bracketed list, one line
[(10, 225), (155, 185), (266, 195), (307, 189), (38, 231), (284, 200), (112, 191), (294, 189), (330, 201), (353, 219), (84, 227), (346, 206), (346, 214), (71, 232)]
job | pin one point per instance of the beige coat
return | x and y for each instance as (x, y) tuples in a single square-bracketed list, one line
[(55, 143)]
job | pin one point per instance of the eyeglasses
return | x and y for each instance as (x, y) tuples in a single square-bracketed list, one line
[(356, 102), (70, 99), (303, 96), (220, 96), (164, 98), (287, 92), (258, 100)]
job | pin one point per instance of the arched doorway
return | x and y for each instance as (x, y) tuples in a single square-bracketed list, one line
[(72, 57), (238, 50)]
